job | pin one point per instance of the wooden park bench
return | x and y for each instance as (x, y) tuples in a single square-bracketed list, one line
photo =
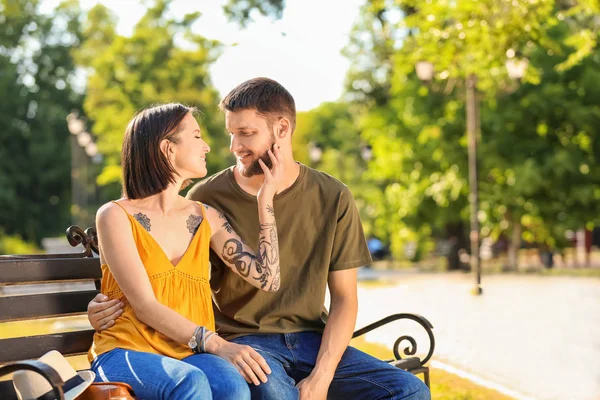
[(39, 269)]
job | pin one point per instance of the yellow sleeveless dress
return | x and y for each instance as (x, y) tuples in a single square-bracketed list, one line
[(184, 288)]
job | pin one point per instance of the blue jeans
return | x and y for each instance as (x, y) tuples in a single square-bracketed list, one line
[(292, 357), (152, 376)]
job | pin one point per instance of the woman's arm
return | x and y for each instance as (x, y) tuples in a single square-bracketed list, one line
[(120, 253)]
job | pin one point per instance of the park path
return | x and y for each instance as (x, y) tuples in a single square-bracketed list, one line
[(537, 336)]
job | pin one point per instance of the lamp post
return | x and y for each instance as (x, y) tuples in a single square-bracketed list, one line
[(83, 149), (516, 67), (473, 126)]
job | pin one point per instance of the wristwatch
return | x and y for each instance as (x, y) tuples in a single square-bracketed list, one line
[(193, 342)]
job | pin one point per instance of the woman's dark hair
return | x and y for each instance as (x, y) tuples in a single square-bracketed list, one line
[(146, 170)]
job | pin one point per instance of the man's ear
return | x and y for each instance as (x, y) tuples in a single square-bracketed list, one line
[(285, 128)]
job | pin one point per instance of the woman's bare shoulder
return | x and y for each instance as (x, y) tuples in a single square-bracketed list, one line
[(111, 211)]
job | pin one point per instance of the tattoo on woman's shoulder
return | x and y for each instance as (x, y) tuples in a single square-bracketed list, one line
[(143, 220), (193, 223)]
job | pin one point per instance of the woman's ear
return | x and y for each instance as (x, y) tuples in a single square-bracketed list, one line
[(165, 148)]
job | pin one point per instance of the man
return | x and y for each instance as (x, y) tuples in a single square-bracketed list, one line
[(322, 243)]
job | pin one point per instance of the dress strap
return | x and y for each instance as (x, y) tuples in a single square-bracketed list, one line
[(122, 208), (202, 209)]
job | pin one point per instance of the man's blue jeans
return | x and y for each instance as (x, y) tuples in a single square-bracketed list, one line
[(154, 377), (292, 357)]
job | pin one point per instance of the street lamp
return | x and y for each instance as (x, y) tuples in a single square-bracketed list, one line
[(516, 69), (516, 66), (82, 144), (366, 152), (315, 153), (424, 71)]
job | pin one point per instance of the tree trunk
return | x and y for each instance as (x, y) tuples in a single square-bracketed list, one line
[(514, 246)]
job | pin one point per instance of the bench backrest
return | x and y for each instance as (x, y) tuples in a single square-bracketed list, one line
[(34, 301)]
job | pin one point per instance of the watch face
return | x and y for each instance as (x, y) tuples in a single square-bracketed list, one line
[(192, 343)]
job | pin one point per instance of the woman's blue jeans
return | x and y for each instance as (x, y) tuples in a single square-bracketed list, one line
[(359, 376), (154, 377)]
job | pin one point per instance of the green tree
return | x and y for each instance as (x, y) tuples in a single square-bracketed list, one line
[(162, 61), (333, 129), (241, 11), (417, 131), (36, 79), (541, 151)]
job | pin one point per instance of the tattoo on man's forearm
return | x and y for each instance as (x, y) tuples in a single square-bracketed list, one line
[(228, 227), (193, 223), (276, 280), (271, 211), (219, 213), (263, 262), (143, 220)]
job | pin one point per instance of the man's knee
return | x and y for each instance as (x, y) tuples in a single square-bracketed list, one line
[(233, 388)]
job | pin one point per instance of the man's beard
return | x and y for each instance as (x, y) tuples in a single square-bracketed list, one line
[(254, 168)]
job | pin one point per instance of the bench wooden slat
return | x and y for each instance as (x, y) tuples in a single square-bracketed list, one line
[(28, 271), (25, 348), (44, 305)]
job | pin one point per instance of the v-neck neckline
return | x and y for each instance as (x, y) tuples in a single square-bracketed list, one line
[(164, 253), (174, 266)]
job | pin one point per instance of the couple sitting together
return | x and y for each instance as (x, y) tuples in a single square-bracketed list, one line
[(274, 234)]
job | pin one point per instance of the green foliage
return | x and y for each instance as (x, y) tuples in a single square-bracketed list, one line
[(161, 62), (541, 151), (241, 11), (36, 81), (333, 128), (538, 149), (16, 245)]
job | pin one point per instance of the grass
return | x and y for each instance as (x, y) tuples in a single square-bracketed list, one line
[(444, 385)]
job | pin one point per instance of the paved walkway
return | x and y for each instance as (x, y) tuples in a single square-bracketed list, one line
[(537, 336)]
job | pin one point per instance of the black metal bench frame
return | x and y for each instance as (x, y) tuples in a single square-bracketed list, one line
[(20, 352)]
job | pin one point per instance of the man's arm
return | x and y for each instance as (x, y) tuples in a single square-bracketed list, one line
[(103, 312), (338, 332)]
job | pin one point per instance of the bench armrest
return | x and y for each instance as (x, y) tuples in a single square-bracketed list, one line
[(41, 368), (75, 236), (408, 351)]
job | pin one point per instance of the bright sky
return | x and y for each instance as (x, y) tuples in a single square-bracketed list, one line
[(302, 51)]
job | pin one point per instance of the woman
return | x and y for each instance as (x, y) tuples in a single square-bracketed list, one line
[(154, 249)]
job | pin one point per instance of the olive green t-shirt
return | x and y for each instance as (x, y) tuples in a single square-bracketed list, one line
[(319, 231)]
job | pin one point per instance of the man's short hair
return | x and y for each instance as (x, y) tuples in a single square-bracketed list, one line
[(264, 95), (146, 170)]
